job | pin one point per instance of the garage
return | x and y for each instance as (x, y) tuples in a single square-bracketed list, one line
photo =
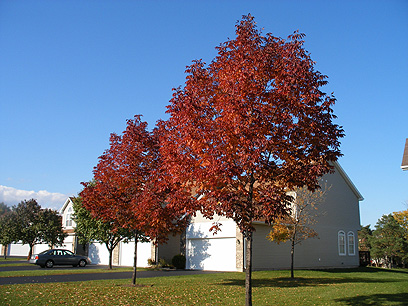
[(18, 249), (213, 254), (127, 252), (206, 251)]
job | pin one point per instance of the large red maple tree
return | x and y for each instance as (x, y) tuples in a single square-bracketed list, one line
[(129, 189), (250, 126)]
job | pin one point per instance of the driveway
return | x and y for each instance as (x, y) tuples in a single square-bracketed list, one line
[(84, 276)]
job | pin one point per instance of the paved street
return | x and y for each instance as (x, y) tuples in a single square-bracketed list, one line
[(82, 276)]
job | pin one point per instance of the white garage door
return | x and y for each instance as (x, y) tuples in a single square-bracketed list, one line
[(18, 249), (127, 252), (213, 254), (98, 253)]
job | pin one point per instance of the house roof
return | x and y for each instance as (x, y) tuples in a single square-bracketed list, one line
[(67, 201), (341, 171), (404, 165)]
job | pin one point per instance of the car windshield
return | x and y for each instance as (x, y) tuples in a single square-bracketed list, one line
[(43, 252), (69, 253)]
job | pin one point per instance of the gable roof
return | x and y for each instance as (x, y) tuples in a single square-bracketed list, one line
[(353, 187), (67, 201), (404, 165)]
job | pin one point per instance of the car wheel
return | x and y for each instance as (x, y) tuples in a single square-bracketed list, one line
[(49, 264), (82, 263)]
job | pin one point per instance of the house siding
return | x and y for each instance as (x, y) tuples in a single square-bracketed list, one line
[(339, 212), (168, 250)]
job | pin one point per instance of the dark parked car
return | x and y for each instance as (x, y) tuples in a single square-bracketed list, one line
[(59, 257)]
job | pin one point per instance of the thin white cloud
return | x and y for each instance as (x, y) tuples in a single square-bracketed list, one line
[(12, 196)]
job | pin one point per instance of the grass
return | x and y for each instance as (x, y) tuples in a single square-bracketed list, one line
[(61, 271), (22, 264), (12, 259), (364, 286)]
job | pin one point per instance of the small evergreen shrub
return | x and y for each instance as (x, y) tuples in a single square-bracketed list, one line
[(179, 261), (163, 263)]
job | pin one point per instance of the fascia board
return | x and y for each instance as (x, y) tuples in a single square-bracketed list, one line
[(348, 181)]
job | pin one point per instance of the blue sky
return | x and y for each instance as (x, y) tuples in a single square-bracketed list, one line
[(72, 72)]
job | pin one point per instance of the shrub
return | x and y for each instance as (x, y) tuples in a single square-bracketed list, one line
[(179, 261), (163, 263)]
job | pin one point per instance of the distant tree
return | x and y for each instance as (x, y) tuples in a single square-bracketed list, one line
[(402, 219), (298, 226), (89, 228), (36, 225), (388, 242), (4, 208), (85, 225), (8, 230), (28, 223), (364, 238), (248, 127), (50, 227), (6, 227)]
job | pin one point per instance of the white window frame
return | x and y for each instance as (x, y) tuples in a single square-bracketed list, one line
[(341, 241), (68, 217), (351, 243)]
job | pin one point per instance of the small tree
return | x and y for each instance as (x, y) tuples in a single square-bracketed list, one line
[(364, 238), (249, 126), (297, 226), (402, 219), (85, 225), (4, 208), (27, 213), (50, 227), (130, 189), (37, 225), (388, 242), (89, 228), (8, 230)]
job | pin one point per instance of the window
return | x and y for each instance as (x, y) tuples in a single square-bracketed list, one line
[(351, 244), (68, 218), (342, 243)]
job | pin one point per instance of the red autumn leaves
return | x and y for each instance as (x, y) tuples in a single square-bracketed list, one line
[(242, 132), (130, 188)]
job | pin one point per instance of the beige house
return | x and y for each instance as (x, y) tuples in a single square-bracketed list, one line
[(337, 225), (97, 252), (336, 246), (68, 224)]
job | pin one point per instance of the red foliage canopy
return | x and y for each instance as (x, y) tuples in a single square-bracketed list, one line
[(129, 187), (251, 125)]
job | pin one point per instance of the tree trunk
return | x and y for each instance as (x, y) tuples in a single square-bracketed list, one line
[(135, 262), (248, 269), (292, 258), (110, 258), (30, 253), (5, 246)]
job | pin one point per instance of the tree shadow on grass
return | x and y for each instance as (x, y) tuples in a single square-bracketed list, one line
[(282, 282), (376, 299), (364, 270)]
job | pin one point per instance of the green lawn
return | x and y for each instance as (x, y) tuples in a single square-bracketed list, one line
[(368, 286), (62, 271), (12, 259)]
